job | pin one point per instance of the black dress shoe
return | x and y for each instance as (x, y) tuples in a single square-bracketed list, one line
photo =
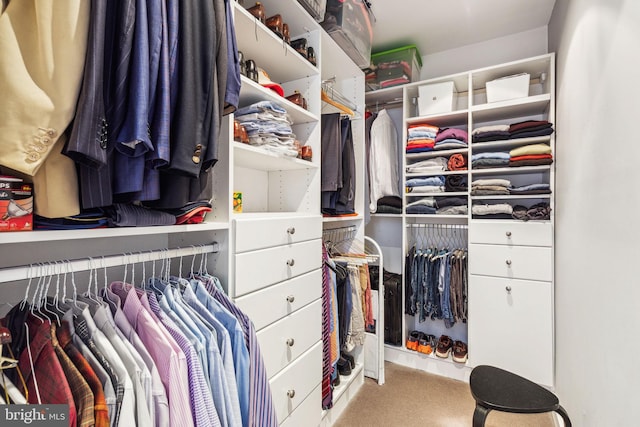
[(349, 358), (344, 367)]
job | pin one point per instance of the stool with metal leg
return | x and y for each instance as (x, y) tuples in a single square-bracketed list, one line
[(495, 389)]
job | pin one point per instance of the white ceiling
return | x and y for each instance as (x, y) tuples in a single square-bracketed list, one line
[(438, 25)]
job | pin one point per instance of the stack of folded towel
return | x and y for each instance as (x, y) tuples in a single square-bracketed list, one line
[(269, 127), (531, 155), (451, 138), (421, 138), (530, 128), (435, 165), (490, 187), (490, 160), (432, 184)]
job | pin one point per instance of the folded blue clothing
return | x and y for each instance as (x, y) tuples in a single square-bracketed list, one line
[(531, 187), (435, 181), (491, 155), (449, 144), (421, 133), (421, 209), (419, 150), (260, 106)]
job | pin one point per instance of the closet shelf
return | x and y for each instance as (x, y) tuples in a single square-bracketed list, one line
[(382, 96), (433, 216), (512, 197), (509, 143), (435, 153), (334, 63), (529, 106), (386, 215), (259, 159), (299, 20), (330, 219), (445, 194), (272, 215), (448, 119), (278, 59), (59, 235), (251, 92), (431, 356), (443, 173), (512, 171)]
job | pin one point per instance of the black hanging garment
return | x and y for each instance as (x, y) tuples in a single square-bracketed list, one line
[(392, 308)]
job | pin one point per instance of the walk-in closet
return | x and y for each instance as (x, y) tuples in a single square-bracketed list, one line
[(318, 212)]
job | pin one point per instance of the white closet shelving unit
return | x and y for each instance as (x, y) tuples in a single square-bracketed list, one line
[(510, 299)]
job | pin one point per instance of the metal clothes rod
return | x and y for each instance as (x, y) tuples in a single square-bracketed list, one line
[(12, 274)]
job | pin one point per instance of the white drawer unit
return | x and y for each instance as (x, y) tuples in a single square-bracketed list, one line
[(519, 262), (511, 326), (284, 341), (270, 304), (291, 386), (308, 413), (252, 234), (512, 233), (257, 269)]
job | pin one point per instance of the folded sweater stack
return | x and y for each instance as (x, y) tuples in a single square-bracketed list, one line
[(432, 184), (525, 129), (531, 155), (421, 138), (450, 139), (490, 187), (488, 160)]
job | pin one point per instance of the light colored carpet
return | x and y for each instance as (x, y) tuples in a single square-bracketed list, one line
[(411, 397)]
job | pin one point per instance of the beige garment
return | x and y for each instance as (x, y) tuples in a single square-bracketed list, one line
[(530, 149), (43, 45)]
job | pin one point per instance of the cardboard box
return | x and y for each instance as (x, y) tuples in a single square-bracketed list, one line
[(508, 87), (436, 98), (16, 204)]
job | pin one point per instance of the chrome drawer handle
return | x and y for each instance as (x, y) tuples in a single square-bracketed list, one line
[(508, 262), (291, 394), (508, 234), (291, 298), (291, 262), (290, 342), (291, 230), (508, 289)]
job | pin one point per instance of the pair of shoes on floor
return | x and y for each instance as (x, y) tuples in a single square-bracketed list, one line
[(457, 349), (421, 342)]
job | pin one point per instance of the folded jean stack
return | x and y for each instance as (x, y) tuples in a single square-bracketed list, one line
[(269, 127), (531, 155), (538, 212)]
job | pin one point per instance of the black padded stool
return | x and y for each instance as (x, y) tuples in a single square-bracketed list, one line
[(496, 389)]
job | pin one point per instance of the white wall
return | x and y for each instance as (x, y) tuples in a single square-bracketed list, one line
[(491, 52), (597, 226)]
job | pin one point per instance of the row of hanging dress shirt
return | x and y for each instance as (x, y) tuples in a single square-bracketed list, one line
[(347, 313), (436, 284), (177, 353)]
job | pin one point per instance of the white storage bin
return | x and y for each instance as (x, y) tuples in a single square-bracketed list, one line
[(509, 87), (436, 98)]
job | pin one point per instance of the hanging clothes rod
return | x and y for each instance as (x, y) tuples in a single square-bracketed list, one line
[(68, 266), (446, 226)]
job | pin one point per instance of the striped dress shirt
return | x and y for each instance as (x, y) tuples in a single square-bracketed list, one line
[(171, 364), (203, 409), (261, 410)]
